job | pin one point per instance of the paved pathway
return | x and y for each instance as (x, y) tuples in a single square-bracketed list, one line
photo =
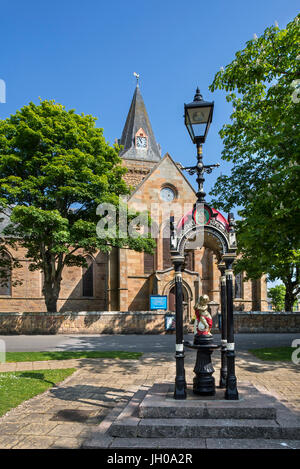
[(65, 415)]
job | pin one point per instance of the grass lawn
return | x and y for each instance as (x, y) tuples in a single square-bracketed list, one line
[(66, 355), (273, 353), (16, 387)]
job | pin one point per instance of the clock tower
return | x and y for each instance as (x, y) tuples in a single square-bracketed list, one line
[(140, 151), (141, 140)]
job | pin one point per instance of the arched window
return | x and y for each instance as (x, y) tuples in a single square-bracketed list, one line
[(88, 277), (238, 286), (5, 275)]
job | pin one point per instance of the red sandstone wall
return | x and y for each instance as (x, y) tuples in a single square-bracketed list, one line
[(147, 322)]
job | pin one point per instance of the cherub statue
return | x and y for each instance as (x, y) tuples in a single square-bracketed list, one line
[(203, 321)]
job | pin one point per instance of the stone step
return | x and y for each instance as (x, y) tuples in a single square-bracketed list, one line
[(180, 422), (207, 412), (197, 443), (159, 403), (133, 427)]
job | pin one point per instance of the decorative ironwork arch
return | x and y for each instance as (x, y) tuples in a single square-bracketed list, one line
[(220, 237)]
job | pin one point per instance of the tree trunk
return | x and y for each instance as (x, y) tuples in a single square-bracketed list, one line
[(52, 282), (51, 303), (290, 295), (289, 300), (51, 294)]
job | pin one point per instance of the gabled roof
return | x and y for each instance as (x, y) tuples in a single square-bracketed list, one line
[(138, 119), (154, 169)]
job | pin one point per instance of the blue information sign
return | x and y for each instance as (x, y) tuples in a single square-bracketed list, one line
[(158, 302)]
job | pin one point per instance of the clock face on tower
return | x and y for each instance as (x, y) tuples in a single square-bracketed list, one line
[(141, 140)]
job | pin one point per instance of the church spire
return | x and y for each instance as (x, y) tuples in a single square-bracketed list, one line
[(137, 138)]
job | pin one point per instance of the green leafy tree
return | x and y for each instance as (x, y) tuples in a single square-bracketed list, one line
[(55, 169), (277, 295), (262, 141)]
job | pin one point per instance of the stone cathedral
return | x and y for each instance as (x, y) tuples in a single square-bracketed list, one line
[(123, 280)]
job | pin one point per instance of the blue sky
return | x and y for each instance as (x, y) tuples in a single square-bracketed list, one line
[(83, 55)]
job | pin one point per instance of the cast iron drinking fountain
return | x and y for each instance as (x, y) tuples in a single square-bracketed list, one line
[(198, 117), (204, 382)]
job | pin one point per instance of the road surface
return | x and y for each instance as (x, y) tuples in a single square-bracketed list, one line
[(137, 343)]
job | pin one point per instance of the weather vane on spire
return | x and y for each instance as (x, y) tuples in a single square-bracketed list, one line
[(137, 76)]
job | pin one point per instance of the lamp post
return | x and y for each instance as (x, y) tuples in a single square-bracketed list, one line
[(198, 117)]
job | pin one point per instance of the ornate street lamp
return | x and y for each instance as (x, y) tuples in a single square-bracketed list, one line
[(197, 118)]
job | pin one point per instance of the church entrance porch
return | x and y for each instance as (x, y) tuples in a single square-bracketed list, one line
[(162, 283)]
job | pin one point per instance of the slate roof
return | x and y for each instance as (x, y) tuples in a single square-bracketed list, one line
[(138, 118)]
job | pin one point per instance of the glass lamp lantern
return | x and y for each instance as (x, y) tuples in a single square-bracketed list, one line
[(198, 117)]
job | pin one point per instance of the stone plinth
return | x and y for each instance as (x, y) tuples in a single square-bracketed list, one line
[(155, 414), (159, 403)]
